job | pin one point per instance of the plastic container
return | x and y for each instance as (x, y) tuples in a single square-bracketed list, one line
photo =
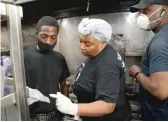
[(6, 62), (8, 89)]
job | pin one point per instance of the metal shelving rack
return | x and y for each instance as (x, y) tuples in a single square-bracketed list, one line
[(13, 15)]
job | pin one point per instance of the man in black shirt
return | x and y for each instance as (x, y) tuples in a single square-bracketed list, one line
[(100, 81), (46, 69)]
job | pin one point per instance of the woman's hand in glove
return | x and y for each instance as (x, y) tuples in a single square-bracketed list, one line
[(64, 104)]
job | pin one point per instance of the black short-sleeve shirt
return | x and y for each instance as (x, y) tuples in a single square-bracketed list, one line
[(44, 71), (103, 78)]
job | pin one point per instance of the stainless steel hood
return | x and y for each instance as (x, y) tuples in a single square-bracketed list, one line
[(35, 9), (17, 1)]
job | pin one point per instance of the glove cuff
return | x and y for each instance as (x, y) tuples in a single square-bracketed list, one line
[(75, 109)]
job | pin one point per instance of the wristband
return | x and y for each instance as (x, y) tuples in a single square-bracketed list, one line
[(137, 74)]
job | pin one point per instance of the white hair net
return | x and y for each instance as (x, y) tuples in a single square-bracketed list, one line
[(99, 28)]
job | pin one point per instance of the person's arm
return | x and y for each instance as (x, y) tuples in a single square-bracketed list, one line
[(157, 83), (64, 88), (65, 74), (94, 109), (98, 108)]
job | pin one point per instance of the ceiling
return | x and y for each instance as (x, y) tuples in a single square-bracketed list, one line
[(34, 9)]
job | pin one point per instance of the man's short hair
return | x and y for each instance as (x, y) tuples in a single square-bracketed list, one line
[(47, 20)]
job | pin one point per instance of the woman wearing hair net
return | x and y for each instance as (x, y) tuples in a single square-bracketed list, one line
[(100, 81)]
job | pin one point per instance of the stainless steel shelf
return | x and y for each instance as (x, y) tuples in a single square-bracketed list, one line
[(13, 14), (3, 11), (8, 100)]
